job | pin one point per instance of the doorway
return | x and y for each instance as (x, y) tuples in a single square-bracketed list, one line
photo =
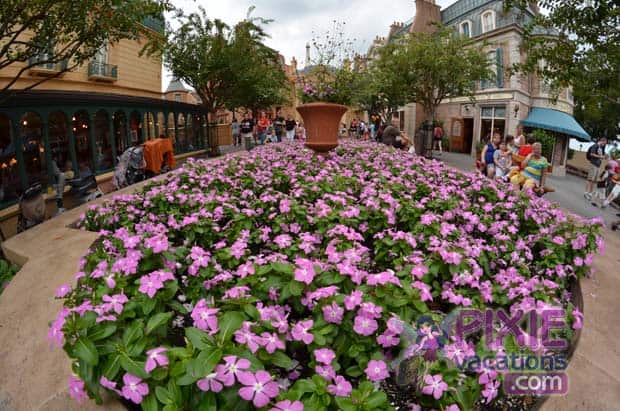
[(468, 134)]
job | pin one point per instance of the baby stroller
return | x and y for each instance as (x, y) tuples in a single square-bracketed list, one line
[(130, 167), (85, 188), (31, 208)]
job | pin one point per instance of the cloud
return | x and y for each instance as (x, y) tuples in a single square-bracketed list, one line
[(296, 20)]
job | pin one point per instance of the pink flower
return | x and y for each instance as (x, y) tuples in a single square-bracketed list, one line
[(490, 391), (110, 385), (158, 244), (353, 300), (376, 371), (388, 339), (364, 325), (244, 335), (271, 342), (287, 405), (305, 272), (341, 388), (63, 290), (114, 303), (324, 355), (425, 291), (434, 385), (453, 407), (210, 383), (155, 357), (578, 322), (283, 240), (333, 313), (231, 369), (326, 371), (259, 388), (134, 389), (419, 271), (204, 317), (76, 389), (300, 331), (149, 284)]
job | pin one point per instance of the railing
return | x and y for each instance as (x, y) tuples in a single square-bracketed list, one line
[(101, 71), (46, 68)]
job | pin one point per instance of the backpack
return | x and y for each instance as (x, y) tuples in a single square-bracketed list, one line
[(135, 157)]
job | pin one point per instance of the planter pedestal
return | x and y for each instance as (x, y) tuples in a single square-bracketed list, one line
[(322, 122)]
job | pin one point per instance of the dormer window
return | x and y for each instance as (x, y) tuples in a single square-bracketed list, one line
[(488, 21), (465, 28)]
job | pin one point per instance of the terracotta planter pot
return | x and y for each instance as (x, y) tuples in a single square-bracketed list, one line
[(322, 122)]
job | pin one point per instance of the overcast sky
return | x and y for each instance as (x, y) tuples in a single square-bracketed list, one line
[(295, 20)]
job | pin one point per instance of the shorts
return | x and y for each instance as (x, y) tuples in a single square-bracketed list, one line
[(616, 191), (593, 172), (500, 172)]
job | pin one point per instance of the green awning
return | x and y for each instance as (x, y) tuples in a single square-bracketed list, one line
[(555, 120)]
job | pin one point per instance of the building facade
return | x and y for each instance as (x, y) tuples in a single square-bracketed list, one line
[(87, 117), (500, 105)]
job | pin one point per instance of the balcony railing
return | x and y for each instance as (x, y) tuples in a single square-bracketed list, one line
[(46, 69), (155, 24), (102, 72)]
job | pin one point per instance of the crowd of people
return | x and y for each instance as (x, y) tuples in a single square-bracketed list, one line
[(267, 130), (602, 183)]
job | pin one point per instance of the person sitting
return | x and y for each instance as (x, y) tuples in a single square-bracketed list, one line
[(389, 135), (532, 177), (502, 159), (527, 148), (487, 155), (615, 192)]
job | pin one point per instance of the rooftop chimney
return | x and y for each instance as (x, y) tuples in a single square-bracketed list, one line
[(426, 13), (307, 54)]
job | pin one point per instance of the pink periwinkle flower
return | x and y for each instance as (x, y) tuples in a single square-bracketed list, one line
[(134, 389), (300, 331), (326, 371), (288, 405), (271, 342), (258, 388), (231, 368), (204, 317), (353, 300), (340, 388), (210, 383), (364, 325), (376, 371), (324, 355), (333, 313), (435, 385), (63, 290), (110, 385), (490, 391), (154, 358), (114, 303), (76, 389)]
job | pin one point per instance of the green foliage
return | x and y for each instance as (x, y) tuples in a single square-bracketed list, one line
[(427, 68), (63, 30), (571, 153), (7, 272)]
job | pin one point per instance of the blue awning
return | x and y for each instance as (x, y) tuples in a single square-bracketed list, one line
[(554, 120)]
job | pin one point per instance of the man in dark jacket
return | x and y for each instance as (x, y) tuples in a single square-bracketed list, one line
[(389, 135)]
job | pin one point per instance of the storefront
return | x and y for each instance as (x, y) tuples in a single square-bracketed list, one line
[(77, 130)]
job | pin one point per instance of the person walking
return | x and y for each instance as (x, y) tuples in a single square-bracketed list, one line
[(247, 130), (278, 125), (595, 155), (437, 138), (262, 126), (236, 132), (290, 128)]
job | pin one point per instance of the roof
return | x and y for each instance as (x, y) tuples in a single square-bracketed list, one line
[(554, 120), (176, 85), (461, 8)]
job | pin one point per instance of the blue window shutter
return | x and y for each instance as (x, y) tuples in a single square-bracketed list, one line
[(500, 68)]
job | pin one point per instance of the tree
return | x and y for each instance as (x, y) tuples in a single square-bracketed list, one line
[(427, 68), (66, 33), (227, 67), (579, 42)]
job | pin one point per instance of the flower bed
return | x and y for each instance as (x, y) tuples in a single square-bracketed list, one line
[(281, 280)]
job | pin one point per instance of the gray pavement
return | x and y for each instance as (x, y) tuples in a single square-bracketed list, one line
[(568, 190)]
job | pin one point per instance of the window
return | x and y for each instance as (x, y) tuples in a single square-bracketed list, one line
[(492, 119), (493, 67), (177, 98), (466, 28), (488, 21)]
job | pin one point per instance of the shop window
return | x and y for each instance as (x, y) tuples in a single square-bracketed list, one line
[(9, 172), (81, 131), (102, 141), (59, 141), (33, 149), (120, 132)]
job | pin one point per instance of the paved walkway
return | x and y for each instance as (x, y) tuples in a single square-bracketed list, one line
[(594, 370)]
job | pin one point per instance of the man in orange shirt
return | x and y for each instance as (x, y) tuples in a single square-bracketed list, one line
[(262, 126)]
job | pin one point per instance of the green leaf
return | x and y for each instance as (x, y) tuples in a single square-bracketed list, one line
[(199, 339), (376, 400), (284, 268), (157, 320), (149, 403), (148, 305), (163, 395), (85, 350), (132, 333), (345, 404), (100, 332), (132, 366), (281, 360), (229, 323), (296, 288), (353, 371), (112, 367), (208, 403), (210, 359)]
